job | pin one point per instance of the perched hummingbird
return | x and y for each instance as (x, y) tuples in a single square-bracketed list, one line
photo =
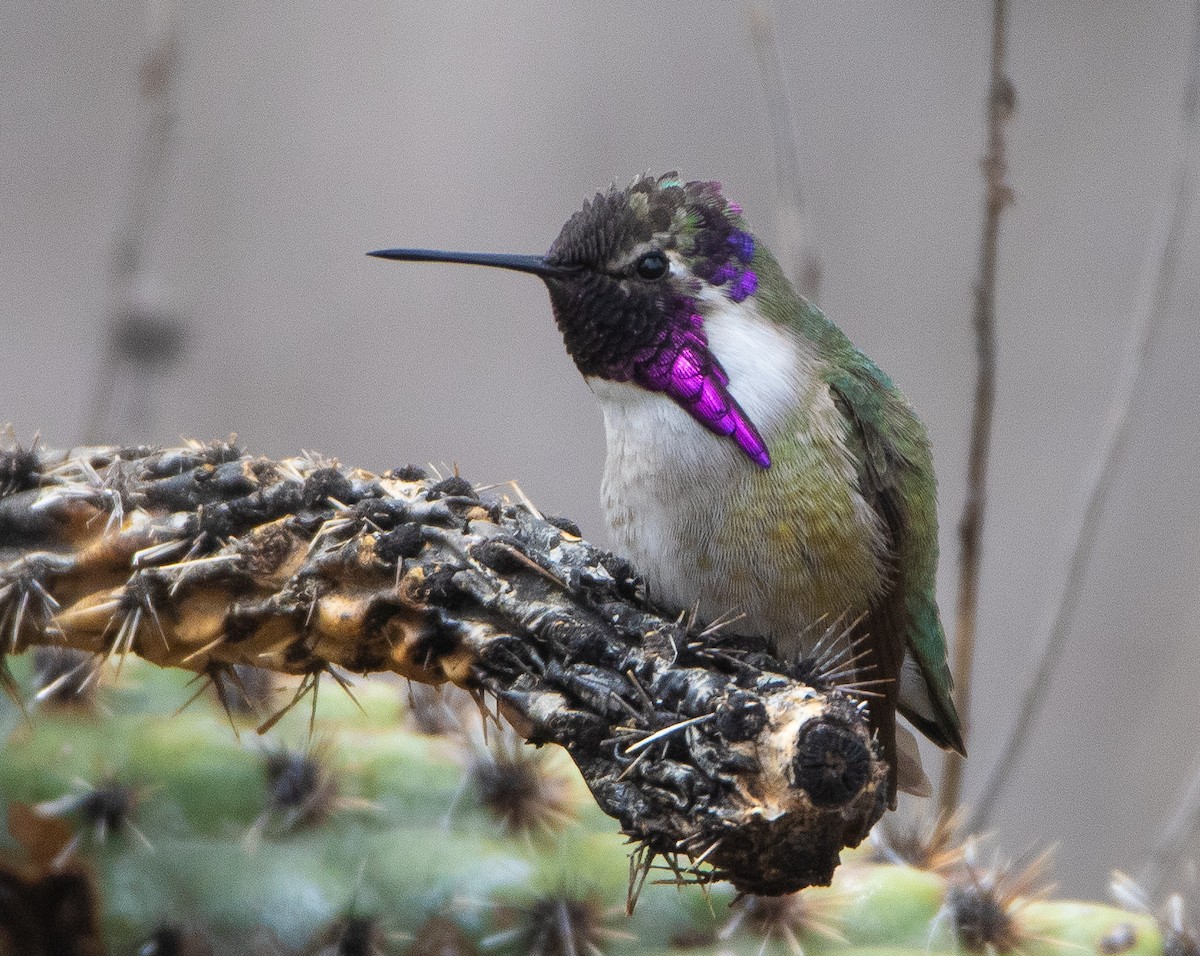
[(760, 467)]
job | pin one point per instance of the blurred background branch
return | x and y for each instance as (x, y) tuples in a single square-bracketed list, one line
[(796, 245), (143, 339), (1001, 102), (1147, 313)]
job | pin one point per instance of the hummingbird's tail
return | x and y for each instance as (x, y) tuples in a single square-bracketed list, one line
[(946, 735)]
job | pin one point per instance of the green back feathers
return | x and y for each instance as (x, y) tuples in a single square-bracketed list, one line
[(895, 476)]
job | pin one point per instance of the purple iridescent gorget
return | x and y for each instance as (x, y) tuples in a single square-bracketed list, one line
[(682, 367), (624, 327)]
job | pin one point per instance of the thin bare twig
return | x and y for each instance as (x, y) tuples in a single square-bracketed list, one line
[(797, 250), (1149, 307), (1000, 105)]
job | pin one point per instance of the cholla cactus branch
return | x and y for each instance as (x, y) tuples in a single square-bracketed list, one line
[(205, 558)]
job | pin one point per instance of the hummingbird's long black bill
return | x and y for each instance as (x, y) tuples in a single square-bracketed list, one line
[(535, 265)]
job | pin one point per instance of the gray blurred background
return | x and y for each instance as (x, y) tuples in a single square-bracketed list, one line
[(305, 134)]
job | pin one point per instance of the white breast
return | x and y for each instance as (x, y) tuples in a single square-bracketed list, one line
[(767, 370), (667, 478)]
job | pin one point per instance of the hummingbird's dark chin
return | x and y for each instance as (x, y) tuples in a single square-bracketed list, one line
[(604, 323), (654, 341)]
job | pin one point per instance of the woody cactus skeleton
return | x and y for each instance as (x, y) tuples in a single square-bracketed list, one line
[(704, 748)]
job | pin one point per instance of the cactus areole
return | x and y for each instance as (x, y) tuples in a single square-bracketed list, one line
[(710, 753)]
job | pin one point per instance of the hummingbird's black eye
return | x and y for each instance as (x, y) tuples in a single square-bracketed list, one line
[(652, 265)]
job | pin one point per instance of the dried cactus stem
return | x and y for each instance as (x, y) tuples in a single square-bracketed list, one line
[(704, 748)]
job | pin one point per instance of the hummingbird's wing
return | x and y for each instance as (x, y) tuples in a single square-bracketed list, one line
[(896, 478)]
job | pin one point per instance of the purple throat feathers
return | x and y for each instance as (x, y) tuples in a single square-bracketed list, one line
[(681, 366)]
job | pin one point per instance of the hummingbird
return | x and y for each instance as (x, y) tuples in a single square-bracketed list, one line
[(761, 471)]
